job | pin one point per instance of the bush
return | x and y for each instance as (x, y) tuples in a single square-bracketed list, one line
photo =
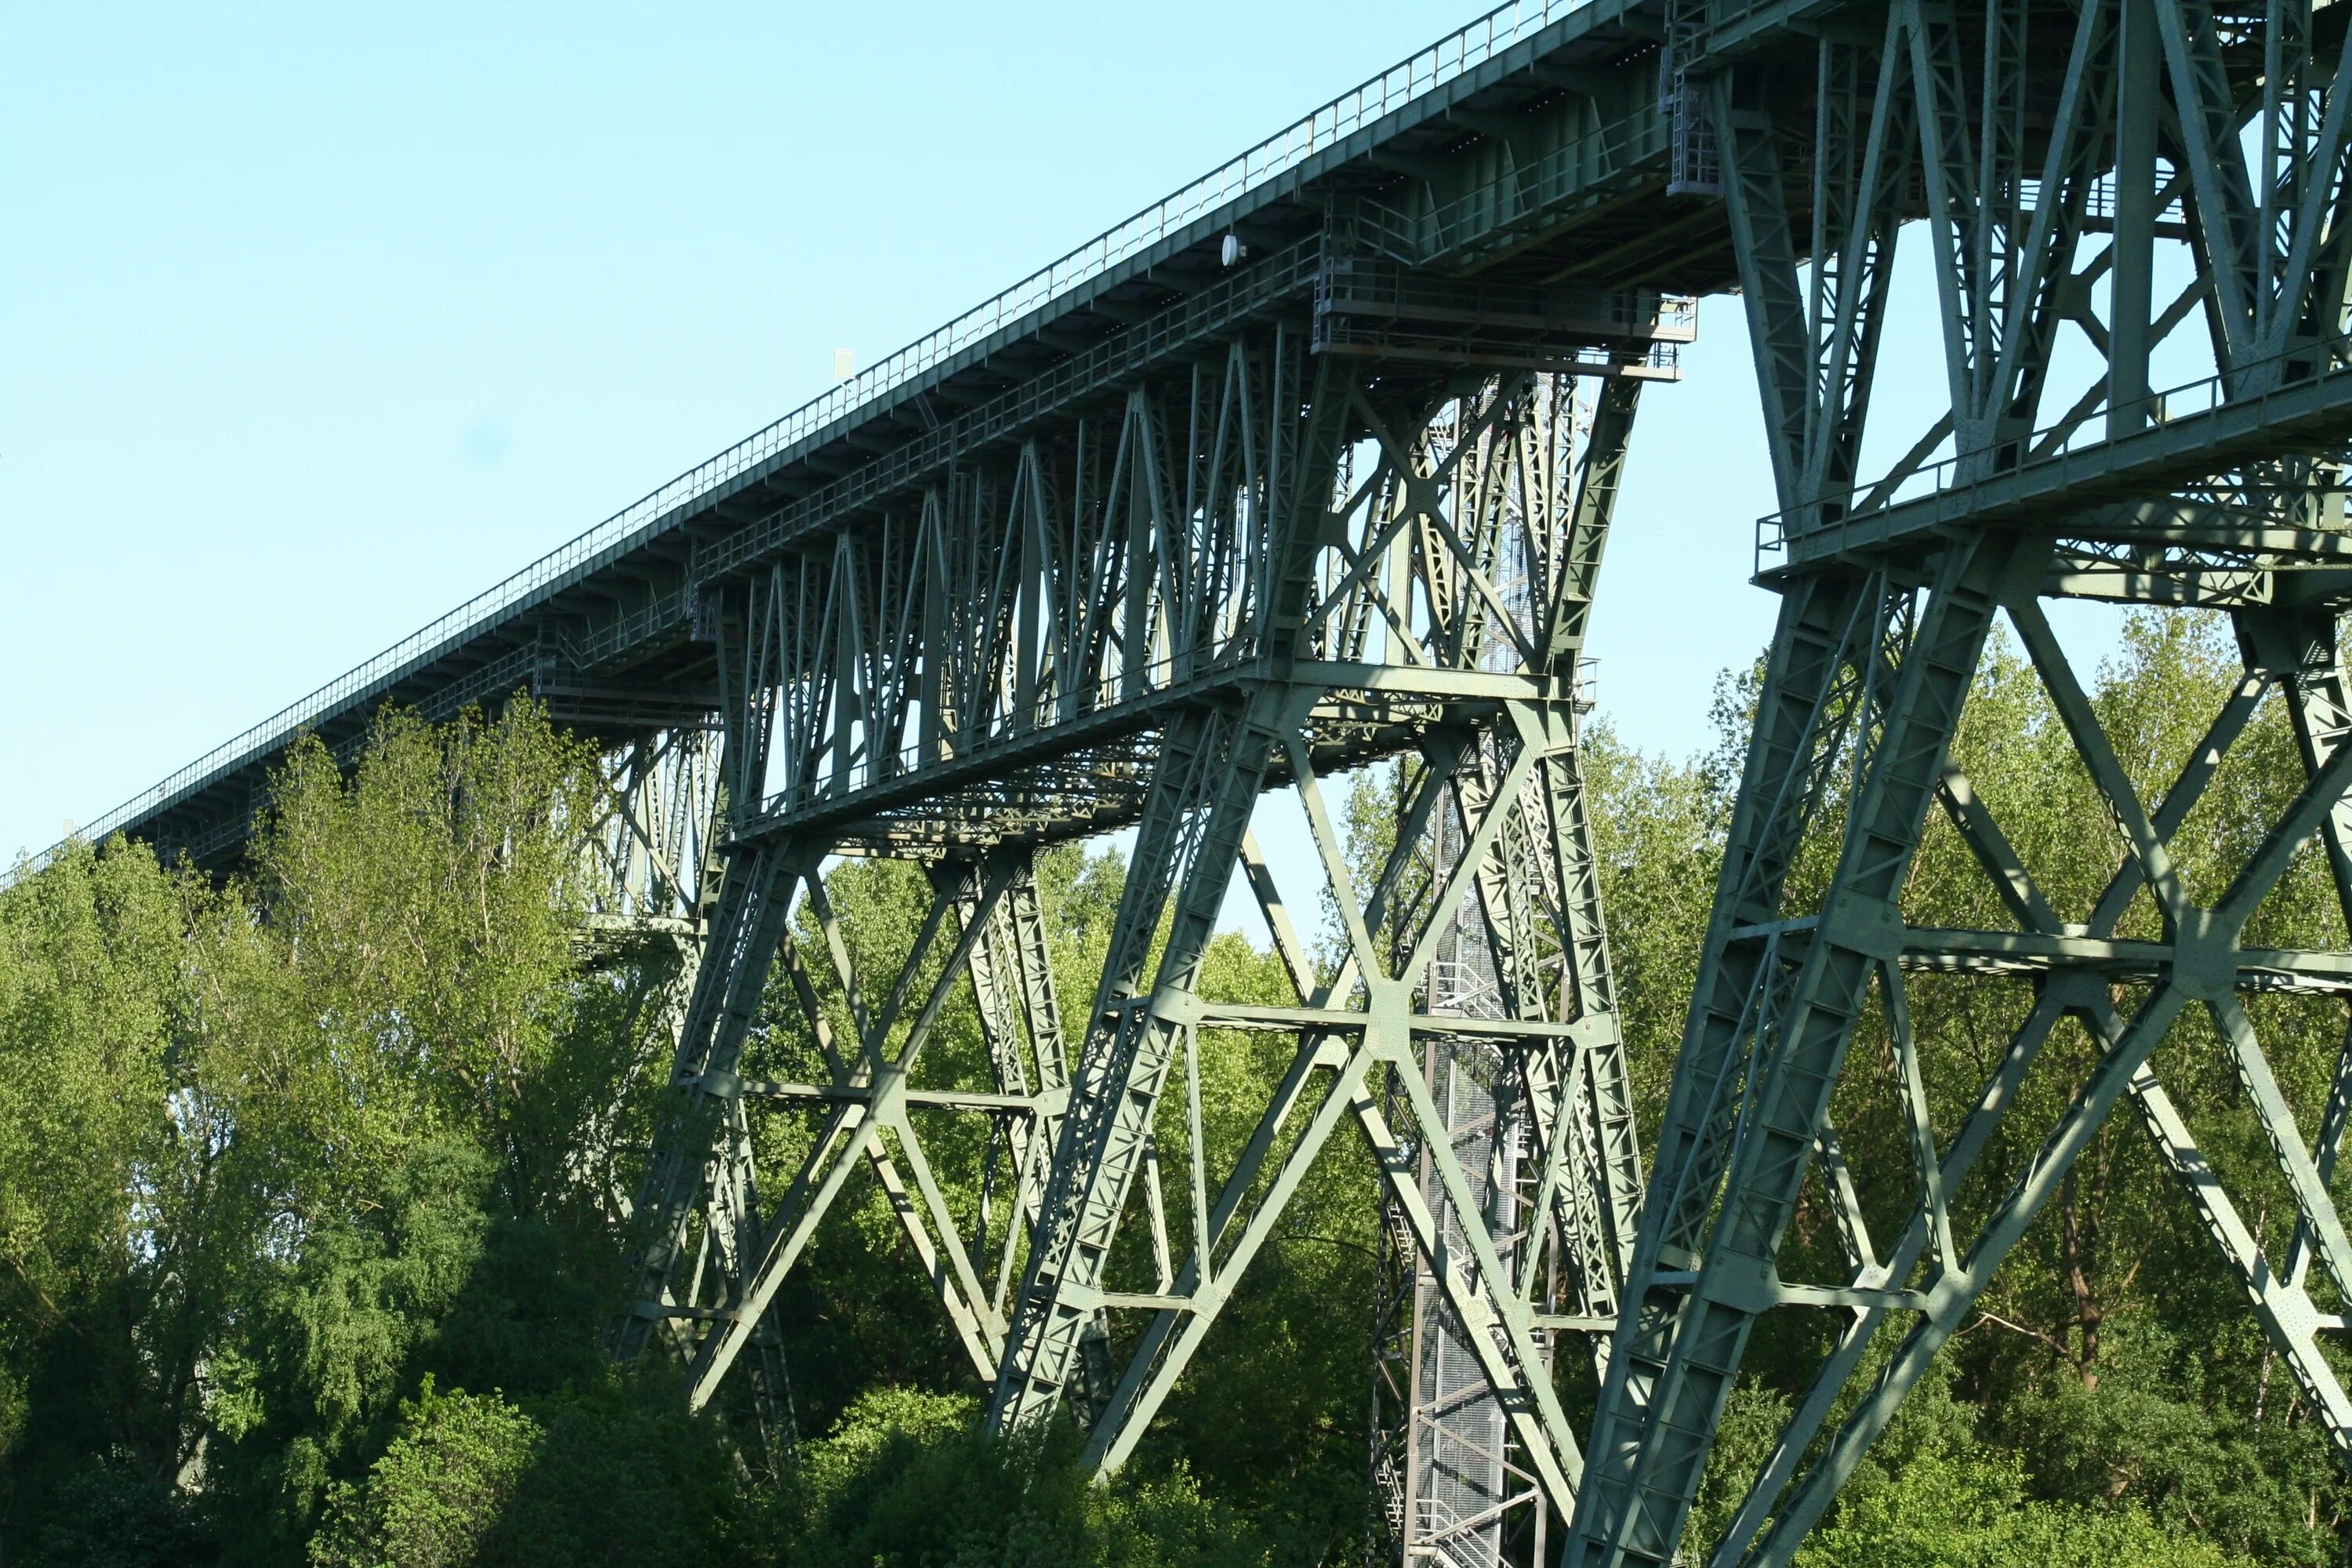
[(112, 1515), (1972, 1514), (907, 1479), (439, 1491)]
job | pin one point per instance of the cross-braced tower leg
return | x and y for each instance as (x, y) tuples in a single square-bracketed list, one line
[(1541, 1126), (698, 1212), (736, 1256), (868, 1098), (1468, 563), (2047, 150), (644, 868)]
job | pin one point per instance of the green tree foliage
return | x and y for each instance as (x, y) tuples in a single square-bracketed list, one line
[(273, 1152), (105, 1186), (905, 1477), (309, 1223), (438, 1489), (615, 1474)]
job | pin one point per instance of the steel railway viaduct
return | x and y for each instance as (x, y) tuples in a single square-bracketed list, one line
[(1312, 465)]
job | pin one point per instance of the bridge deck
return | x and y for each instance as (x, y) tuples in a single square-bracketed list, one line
[(1527, 145)]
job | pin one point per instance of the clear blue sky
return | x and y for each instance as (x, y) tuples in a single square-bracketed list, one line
[(316, 320)]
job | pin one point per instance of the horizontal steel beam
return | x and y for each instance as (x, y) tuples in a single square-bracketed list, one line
[(2045, 496)]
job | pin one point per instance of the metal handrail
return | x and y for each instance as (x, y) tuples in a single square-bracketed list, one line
[(1392, 90)]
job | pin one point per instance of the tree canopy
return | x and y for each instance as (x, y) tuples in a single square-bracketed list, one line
[(311, 1216)]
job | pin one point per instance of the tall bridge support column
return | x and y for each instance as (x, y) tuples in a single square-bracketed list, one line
[(716, 1259), (2225, 499), (1543, 1132), (1546, 1137), (1451, 582)]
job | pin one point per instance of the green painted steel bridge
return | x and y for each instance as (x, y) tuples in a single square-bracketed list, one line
[(1312, 465)]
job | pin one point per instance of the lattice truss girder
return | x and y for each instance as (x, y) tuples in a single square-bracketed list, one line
[(1297, 565), (992, 657), (2059, 160)]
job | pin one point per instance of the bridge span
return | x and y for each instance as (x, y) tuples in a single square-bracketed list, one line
[(605, 628), (1313, 465)]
